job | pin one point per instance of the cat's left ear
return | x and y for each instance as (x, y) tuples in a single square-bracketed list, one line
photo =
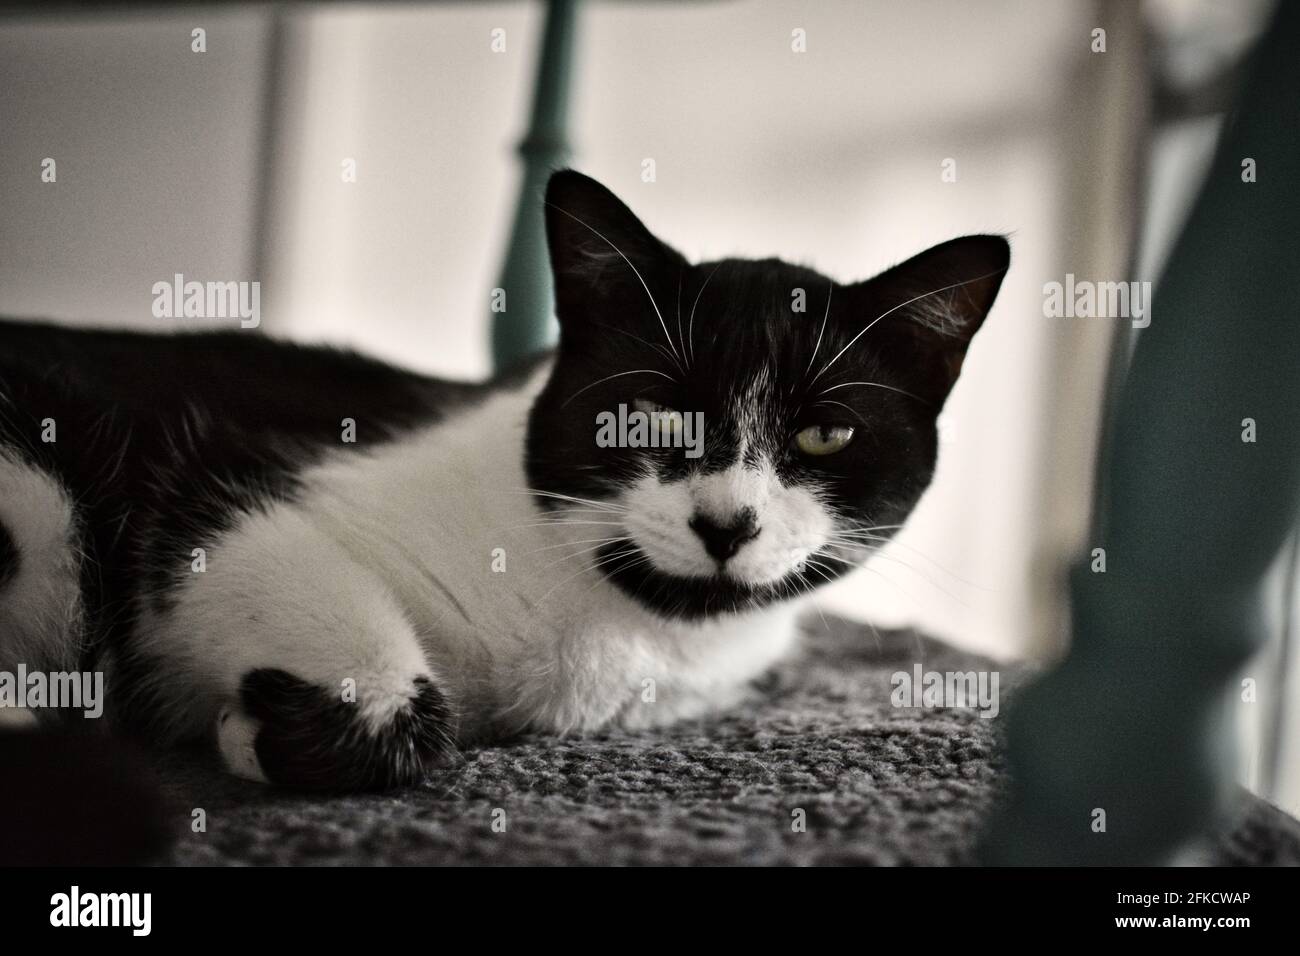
[(930, 306)]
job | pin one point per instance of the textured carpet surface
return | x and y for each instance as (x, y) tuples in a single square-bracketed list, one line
[(823, 744)]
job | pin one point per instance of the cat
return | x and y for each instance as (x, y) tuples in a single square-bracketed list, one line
[(340, 572)]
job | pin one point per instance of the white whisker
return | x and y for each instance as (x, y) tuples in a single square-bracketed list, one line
[(569, 544), (580, 573), (593, 504), (876, 527), (895, 309), (874, 385), (691, 324), (827, 401), (654, 305), (636, 371), (681, 272), (895, 543), (552, 524), (650, 345), (818, 346), (879, 553)]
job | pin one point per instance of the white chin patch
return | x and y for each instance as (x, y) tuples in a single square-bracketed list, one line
[(792, 523)]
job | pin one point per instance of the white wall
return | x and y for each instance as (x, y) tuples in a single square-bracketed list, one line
[(155, 150)]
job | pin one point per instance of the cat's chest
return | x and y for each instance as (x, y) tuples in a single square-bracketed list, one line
[(446, 519)]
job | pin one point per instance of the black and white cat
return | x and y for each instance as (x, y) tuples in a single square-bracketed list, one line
[(342, 614)]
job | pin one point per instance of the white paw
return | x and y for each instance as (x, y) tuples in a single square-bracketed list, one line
[(235, 736)]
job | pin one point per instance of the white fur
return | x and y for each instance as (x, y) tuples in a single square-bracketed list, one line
[(236, 735), (383, 570), (40, 608)]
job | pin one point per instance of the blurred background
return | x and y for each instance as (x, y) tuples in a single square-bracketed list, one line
[(228, 164)]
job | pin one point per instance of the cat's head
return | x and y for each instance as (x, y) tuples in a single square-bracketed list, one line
[(818, 403)]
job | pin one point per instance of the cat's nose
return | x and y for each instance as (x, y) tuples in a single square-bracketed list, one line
[(723, 541)]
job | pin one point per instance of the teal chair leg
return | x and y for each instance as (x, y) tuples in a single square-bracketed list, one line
[(1124, 754), (521, 320)]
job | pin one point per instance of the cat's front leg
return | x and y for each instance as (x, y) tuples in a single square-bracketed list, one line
[(318, 675)]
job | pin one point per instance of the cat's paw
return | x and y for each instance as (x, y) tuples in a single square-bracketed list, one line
[(236, 739), (298, 734)]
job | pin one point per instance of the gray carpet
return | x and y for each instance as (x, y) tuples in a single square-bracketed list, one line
[(878, 785)]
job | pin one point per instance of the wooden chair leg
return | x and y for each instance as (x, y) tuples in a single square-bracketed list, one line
[(1124, 753), (526, 325)]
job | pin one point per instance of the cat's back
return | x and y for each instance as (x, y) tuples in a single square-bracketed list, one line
[(248, 380), (153, 444)]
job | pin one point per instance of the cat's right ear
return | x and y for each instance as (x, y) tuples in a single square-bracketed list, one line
[(603, 258)]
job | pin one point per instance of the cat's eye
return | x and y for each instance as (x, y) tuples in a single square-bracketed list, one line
[(667, 420), (823, 439)]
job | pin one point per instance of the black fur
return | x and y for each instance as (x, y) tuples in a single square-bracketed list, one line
[(313, 740), (10, 559)]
